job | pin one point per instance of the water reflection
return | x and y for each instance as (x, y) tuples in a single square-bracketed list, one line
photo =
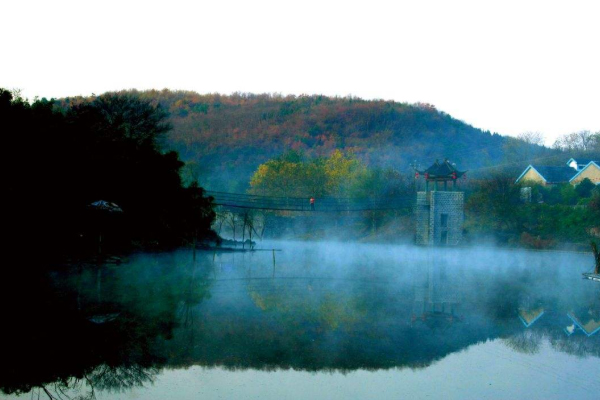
[(116, 327), (437, 298)]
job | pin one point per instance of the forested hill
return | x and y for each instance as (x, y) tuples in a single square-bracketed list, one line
[(225, 138)]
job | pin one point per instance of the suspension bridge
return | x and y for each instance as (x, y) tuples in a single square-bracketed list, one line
[(330, 204), (322, 204)]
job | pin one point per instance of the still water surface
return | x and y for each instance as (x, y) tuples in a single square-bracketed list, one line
[(318, 321)]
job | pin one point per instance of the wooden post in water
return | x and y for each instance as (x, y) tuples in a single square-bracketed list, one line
[(273, 263), (244, 230), (214, 266), (596, 258), (250, 228), (373, 223), (99, 258), (194, 244), (99, 284)]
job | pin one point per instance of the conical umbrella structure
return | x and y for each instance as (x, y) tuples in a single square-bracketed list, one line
[(104, 207)]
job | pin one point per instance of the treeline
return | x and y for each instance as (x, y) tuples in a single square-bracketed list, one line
[(340, 181), (585, 142), (545, 217), (225, 138), (497, 209), (60, 160)]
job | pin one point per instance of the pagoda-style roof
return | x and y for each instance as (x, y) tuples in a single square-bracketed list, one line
[(442, 171)]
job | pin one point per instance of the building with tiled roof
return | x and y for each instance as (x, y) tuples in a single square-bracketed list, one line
[(573, 173), (580, 163), (591, 171)]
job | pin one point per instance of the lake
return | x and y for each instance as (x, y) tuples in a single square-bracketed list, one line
[(313, 320)]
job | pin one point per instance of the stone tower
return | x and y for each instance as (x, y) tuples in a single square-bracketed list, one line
[(439, 213)]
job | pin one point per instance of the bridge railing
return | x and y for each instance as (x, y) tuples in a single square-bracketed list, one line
[(330, 204)]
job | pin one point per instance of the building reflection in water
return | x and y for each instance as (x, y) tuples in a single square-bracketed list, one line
[(569, 319), (117, 328), (530, 311), (436, 299), (585, 320)]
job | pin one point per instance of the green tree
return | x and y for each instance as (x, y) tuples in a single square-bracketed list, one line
[(494, 204), (568, 194), (584, 188), (105, 148)]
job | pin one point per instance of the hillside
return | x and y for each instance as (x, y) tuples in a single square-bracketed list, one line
[(225, 138)]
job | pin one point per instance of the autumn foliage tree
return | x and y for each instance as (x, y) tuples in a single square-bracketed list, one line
[(229, 136), (293, 174)]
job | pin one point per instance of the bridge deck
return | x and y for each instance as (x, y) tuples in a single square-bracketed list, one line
[(325, 204)]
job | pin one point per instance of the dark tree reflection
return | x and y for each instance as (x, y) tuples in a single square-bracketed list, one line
[(112, 328), (91, 327)]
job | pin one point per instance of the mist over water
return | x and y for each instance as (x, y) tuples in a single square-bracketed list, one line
[(387, 320)]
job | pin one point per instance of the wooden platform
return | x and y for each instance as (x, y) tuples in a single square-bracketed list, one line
[(593, 277)]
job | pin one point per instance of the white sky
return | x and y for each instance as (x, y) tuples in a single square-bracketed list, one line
[(505, 66)]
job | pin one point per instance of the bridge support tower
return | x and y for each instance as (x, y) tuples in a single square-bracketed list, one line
[(440, 214), (439, 218)]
